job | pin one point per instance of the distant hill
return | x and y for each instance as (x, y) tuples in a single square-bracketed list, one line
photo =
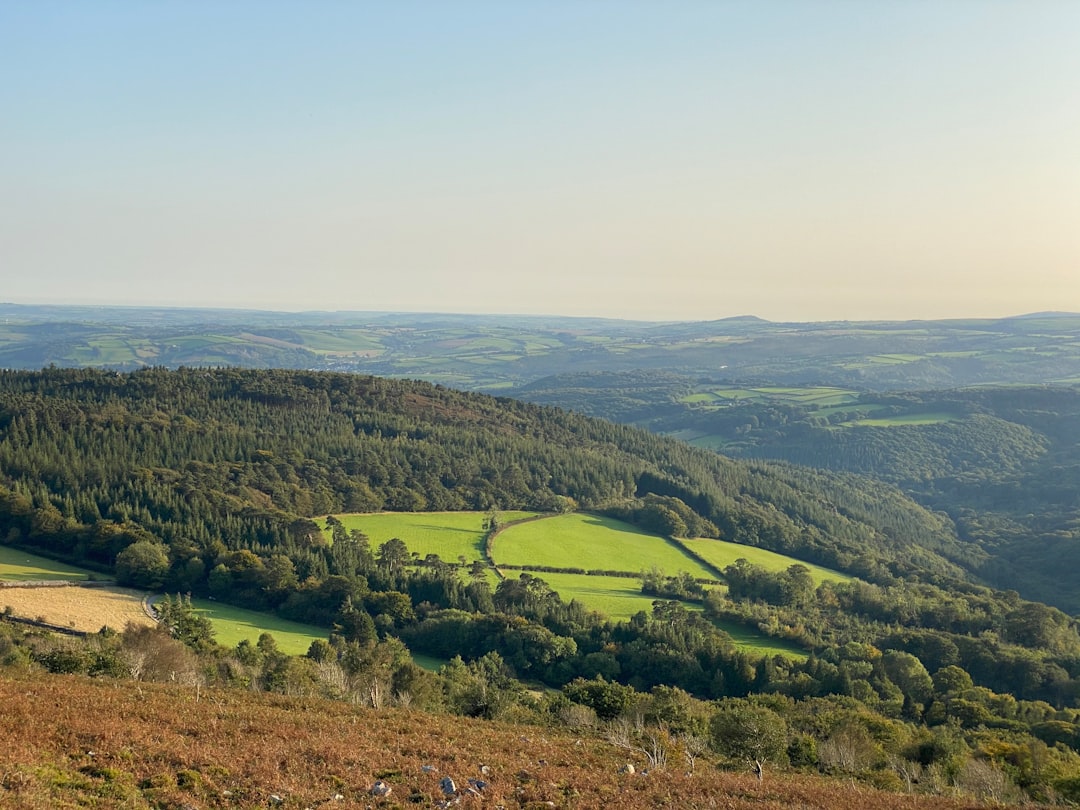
[(500, 353)]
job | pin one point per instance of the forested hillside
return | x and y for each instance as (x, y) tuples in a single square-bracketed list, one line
[(234, 459), (1003, 463)]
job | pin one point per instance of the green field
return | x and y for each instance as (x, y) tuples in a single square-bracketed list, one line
[(345, 341), (905, 419), (592, 543), (19, 566), (428, 662), (576, 540), (451, 535), (722, 554), (233, 624), (813, 395), (619, 598), (752, 641), (710, 442)]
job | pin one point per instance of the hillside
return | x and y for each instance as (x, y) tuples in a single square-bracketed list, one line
[(72, 741), (1003, 463), (208, 460)]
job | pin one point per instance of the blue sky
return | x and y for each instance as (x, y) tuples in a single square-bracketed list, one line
[(665, 160)]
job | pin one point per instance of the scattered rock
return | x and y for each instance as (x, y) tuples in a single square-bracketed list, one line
[(485, 770), (275, 799), (429, 769), (479, 784), (380, 788), (447, 785), (627, 768)]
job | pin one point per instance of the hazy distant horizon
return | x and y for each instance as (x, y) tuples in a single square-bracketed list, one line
[(531, 315), (798, 160)]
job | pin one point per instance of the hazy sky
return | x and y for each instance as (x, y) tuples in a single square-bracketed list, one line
[(665, 160)]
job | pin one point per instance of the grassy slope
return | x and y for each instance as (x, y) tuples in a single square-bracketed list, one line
[(593, 543), (620, 598), (19, 566), (616, 597), (233, 624), (162, 745), (750, 641), (722, 554), (448, 534)]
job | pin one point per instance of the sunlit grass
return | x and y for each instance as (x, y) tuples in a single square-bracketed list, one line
[(19, 566), (591, 542), (233, 624), (451, 535), (722, 554), (906, 419)]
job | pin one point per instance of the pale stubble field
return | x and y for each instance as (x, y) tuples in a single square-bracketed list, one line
[(83, 609)]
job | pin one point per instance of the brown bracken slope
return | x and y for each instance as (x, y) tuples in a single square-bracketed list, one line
[(70, 741)]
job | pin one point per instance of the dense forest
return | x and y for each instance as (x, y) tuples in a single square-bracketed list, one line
[(206, 481)]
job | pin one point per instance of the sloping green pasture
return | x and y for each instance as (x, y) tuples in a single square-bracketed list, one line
[(449, 534), (905, 419), (233, 624), (592, 543), (619, 598), (722, 554), (753, 642), (812, 395), (19, 566), (342, 341)]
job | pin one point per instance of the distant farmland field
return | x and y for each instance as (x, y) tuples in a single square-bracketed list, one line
[(619, 598), (592, 543), (449, 534), (234, 624), (813, 395), (84, 609), (905, 419), (722, 554), (19, 566)]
